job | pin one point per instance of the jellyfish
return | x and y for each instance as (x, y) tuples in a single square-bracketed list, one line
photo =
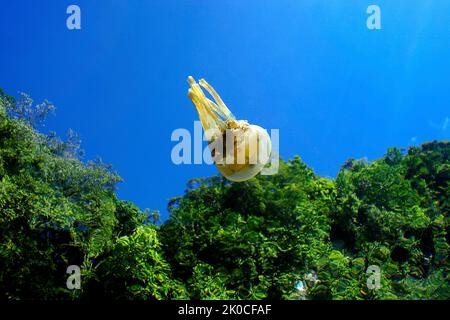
[(240, 150)]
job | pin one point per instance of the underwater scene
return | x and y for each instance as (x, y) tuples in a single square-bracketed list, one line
[(224, 150)]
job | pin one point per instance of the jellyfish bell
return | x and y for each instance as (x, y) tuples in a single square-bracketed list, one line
[(246, 152), (240, 150)]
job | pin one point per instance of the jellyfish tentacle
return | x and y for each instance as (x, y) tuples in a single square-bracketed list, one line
[(191, 80), (206, 109), (208, 119), (221, 105), (217, 107), (217, 110)]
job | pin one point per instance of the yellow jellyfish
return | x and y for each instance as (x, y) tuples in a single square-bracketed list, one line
[(240, 150)]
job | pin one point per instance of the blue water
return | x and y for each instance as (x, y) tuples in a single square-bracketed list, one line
[(311, 69)]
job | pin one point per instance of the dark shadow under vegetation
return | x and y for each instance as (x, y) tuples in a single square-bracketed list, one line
[(259, 239)]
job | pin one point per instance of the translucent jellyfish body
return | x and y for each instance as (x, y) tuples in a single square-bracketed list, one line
[(240, 150)]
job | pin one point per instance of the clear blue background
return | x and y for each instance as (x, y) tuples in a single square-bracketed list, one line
[(310, 68)]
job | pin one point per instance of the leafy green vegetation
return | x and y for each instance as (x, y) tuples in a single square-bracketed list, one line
[(293, 235)]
